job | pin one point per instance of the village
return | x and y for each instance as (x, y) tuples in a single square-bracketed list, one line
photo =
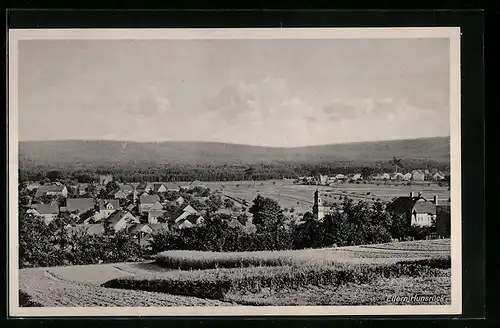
[(143, 209)]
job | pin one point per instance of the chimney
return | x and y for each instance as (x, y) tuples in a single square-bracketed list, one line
[(435, 199)]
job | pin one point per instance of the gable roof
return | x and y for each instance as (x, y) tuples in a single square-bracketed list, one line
[(114, 202), (79, 204), (140, 227), (171, 186), (417, 171), (157, 186), (44, 209), (127, 187), (406, 204), (149, 199), (116, 217), (424, 206)]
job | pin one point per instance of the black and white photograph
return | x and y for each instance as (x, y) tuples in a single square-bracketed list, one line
[(234, 171)]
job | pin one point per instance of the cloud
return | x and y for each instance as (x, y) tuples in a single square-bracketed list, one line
[(149, 104)]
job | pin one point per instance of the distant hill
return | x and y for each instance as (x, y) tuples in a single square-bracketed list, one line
[(73, 152)]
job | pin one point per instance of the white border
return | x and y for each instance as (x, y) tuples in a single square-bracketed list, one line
[(452, 33)]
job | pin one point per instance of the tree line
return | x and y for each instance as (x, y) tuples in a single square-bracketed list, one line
[(211, 172)]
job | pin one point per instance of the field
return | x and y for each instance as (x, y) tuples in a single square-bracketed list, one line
[(348, 276), (300, 197)]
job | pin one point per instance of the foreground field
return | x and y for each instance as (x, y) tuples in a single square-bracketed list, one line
[(382, 254), (343, 276), (43, 287), (300, 197)]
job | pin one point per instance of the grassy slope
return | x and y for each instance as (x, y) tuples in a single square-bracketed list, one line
[(119, 152)]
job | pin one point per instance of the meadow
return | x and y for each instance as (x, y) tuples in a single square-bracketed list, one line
[(300, 197), (341, 276)]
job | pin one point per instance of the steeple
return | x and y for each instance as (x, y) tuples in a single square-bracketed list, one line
[(318, 210)]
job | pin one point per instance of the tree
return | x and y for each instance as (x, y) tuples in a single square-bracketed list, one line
[(112, 185), (54, 175), (213, 203), (366, 172), (267, 213), (228, 203)]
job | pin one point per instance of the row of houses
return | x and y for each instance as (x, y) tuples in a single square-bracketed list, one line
[(415, 175)]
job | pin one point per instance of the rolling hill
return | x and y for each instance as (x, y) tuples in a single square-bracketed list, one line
[(95, 152)]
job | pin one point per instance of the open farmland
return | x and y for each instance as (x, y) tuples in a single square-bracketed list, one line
[(335, 275), (300, 197)]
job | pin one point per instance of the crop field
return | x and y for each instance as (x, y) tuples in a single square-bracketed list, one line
[(300, 197), (348, 276), (382, 253)]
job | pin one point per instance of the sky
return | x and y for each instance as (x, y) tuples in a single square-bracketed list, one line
[(283, 93)]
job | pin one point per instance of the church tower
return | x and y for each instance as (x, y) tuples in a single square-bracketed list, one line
[(318, 210)]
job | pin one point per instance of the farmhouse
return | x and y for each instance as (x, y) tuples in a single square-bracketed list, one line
[(146, 201), (418, 175), (80, 205), (48, 212), (416, 209), (51, 190), (120, 220)]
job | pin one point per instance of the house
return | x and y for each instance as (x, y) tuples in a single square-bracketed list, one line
[(171, 186), (340, 177), (48, 212), (104, 179), (144, 187), (322, 179), (190, 221), (179, 201), (80, 205), (407, 177), (120, 220), (118, 194), (107, 207), (127, 188), (385, 176), (438, 176), (397, 176), (51, 190), (159, 187), (418, 175), (416, 209), (153, 216), (145, 232), (357, 176), (186, 213), (146, 201)]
